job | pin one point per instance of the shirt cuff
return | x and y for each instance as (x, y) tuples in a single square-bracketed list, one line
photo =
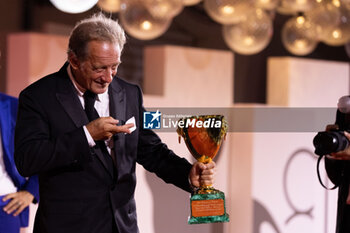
[(90, 140), (192, 187)]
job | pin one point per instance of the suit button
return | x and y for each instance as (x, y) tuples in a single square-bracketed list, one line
[(92, 152)]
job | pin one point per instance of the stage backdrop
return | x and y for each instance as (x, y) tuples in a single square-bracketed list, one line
[(187, 78), (285, 190), (269, 178)]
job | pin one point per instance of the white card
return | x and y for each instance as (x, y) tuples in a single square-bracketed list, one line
[(131, 120)]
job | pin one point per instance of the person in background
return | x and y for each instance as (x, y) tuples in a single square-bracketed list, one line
[(16, 192), (80, 129), (338, 171)]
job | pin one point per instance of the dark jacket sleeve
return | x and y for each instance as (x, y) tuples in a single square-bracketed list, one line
[(156, 157)]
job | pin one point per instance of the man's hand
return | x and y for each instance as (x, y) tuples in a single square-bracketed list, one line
[(202, 174), (20, 200), (341, 155), (104, 128)]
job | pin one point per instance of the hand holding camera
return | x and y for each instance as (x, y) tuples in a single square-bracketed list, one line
[(339, 142), (344, 154), (335, 141)]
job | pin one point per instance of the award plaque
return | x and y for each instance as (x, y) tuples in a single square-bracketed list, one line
[(203, 136)]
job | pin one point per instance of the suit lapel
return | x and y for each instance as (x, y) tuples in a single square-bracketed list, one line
[(118, 111), (66, 95), (71, 104)]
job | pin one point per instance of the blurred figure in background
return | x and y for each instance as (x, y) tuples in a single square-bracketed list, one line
[(16, 192)]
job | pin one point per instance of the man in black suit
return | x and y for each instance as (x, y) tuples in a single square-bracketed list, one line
[(338, 170), (338, 166), (86, 159)]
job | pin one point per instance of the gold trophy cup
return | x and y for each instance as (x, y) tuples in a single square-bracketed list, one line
[(203, 137)]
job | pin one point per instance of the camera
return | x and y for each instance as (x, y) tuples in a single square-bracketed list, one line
[(334, 140), (327, 142)]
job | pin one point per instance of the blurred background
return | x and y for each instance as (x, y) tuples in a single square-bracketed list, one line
[(253, 54), (200, 24)]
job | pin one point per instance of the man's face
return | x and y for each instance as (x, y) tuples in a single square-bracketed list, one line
[(96, 72)]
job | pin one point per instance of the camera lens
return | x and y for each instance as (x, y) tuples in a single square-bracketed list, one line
[(330, 142)]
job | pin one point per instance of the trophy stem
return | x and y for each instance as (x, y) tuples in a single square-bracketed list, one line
[(205, 189), (203, 140), (204, 159)]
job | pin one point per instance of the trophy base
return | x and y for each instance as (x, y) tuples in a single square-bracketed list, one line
[(208, 208)]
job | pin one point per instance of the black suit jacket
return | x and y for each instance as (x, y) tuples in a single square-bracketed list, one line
[(339, 173), (78, 188)]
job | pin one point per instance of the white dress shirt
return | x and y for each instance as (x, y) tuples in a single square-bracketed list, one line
[(101, 105)]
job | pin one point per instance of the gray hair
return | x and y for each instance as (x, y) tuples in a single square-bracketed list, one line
[(98, 27)]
